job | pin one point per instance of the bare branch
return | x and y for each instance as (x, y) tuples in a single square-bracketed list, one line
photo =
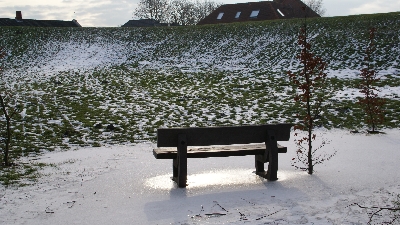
[(378, 210), (316, 6), (183, 12)]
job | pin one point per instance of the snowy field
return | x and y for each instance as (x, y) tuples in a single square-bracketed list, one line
[(127, 185), (93, 99), (75, 83)]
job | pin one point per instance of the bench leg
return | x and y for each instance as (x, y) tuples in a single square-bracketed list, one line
[(272, 149), (178, 173), (175, 168), (180, 163), (259, 163), (270, 155)]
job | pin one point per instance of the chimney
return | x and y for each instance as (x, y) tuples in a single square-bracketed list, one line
[(18, 15)]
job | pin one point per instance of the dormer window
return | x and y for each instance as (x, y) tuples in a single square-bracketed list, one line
[(279, 11), (237, 15), (254, 13), (220, 16)]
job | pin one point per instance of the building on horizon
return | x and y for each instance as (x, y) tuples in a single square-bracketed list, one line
[(147, 23), (19, 21), (258, 11)]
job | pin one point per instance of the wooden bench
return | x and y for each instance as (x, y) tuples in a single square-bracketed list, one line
[(172, 143)]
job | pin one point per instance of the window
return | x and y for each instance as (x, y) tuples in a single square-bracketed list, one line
[(237, 15), (254, 13), (220, 16), (279, 11)]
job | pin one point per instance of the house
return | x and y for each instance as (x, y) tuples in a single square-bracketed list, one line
[(18, 21), (256, 11), (146, 23)]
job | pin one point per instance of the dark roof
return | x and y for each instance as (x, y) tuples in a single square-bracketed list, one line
[(38, 23), (146, 23), (268, 10)]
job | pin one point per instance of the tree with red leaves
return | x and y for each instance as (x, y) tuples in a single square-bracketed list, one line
[(371, 103), (310, 82)]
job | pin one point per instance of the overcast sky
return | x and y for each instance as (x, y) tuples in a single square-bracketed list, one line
[(113, 13)]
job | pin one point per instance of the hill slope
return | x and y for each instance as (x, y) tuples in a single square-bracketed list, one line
[(260, 46), (93, 86)]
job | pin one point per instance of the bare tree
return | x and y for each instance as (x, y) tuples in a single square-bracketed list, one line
[(182, 12), (152, 9), (8, 107), (316, 6), (188, 12), (204, 8), (8, 111)]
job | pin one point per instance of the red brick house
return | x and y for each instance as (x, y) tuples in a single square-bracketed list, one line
[(256, 11)]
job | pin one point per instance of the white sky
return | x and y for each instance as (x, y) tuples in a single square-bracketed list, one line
[(112, 13)]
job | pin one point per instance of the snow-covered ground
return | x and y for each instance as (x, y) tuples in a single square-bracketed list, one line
[(127, 185)]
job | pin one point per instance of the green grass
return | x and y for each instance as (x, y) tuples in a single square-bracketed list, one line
[(20, 175), (65, 109)]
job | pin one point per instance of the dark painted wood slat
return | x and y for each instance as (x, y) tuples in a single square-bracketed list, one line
[(204, 136), (182, 161), (272, 148), (221, 151)]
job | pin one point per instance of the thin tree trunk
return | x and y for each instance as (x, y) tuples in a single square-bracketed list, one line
[(370, 112), (309, 117), (310, 126), (8, 139)]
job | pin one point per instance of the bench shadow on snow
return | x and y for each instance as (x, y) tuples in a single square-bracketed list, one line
[(194, 201)]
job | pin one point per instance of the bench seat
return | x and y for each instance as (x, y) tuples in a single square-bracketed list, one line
[(215, 151)]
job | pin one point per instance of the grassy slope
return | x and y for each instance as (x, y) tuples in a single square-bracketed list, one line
[(182, 76)]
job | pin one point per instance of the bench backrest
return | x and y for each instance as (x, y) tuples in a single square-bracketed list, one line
[(204, 136)]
